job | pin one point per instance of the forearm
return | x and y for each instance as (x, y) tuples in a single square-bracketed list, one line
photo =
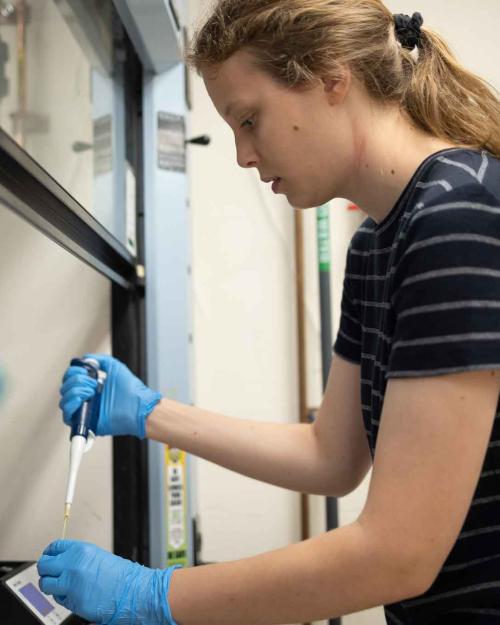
[(337, 573), (286, 455)]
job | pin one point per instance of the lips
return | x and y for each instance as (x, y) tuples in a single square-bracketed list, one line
[(266, 180)]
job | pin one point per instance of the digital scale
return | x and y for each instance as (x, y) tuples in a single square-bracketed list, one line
[(23, 603)]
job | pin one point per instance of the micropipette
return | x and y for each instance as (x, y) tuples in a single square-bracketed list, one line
[(82, 430)]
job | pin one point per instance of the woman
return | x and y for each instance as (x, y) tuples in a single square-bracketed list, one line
[(342, 99)]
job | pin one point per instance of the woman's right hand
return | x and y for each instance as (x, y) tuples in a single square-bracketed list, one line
[(125, 402)]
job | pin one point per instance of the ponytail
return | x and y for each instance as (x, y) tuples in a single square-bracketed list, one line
[(447, 100)]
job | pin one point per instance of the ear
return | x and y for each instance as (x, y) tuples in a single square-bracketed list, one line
[(337, 87)]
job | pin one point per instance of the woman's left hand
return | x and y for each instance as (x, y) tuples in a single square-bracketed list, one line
[(102, 587)]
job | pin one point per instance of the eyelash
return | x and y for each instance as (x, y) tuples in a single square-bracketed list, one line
[(252, 121)]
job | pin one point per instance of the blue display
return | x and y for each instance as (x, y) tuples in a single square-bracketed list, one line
[(37, 600)]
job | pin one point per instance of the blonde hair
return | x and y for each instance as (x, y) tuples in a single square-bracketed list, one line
[(299, 41)]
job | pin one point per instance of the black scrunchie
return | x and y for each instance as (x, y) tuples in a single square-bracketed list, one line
[(408, 29)]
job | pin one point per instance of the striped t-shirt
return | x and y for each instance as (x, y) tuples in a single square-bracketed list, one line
[(422, 298)]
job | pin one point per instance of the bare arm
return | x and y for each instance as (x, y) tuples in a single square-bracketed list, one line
[(333, 574), (418, 499), (326, 458)]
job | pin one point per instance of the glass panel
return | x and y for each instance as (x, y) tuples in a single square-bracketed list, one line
[(61, 99), (53, 308)]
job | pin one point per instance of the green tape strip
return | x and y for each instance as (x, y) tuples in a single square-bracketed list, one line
[(323, 230)]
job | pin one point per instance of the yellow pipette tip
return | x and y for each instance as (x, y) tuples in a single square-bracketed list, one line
[(67, 511)]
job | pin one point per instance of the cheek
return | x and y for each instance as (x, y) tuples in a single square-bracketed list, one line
[(301, 142), (281, 150)]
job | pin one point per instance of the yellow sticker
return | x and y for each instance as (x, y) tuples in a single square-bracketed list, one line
[(176, 503)]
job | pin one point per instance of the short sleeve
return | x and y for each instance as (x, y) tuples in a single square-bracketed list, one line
[(348, 341), (446, 289)]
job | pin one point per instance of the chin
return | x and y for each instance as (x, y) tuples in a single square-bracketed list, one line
[(309, 201), (304, 203)]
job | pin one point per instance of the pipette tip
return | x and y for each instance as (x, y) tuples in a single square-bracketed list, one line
[(67, 511)]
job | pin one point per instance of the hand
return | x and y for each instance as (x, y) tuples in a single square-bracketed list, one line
[(125, 403), (102, 587)]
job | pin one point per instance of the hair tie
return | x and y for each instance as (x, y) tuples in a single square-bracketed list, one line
[(408, 29)]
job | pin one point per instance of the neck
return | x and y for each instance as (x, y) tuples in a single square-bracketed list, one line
[(384, 168)]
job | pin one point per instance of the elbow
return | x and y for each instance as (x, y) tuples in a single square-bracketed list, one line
[(342, 489), (407, 579), (345, 485), (419, 582), (419, 574), (427, 572), (337, 488), (426, 561), (406, 571)]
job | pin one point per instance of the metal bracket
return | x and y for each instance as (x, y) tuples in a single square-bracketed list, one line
[(155, 31)]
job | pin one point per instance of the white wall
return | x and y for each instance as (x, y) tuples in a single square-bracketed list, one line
[(245, 337)]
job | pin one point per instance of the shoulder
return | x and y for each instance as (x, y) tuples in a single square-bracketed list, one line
[(454, 168), (460, 193), (459, 175), (454, 237)]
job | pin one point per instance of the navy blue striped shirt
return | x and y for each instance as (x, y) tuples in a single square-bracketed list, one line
[(422, 298)]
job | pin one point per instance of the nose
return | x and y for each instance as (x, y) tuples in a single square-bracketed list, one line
[(245, 154)]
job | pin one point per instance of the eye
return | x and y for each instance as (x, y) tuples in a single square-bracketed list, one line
[(248, 123)]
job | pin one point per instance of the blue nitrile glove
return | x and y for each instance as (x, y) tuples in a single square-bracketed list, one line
[(125, 403), (104, 588)]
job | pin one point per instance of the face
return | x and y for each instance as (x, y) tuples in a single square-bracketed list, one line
[(304, 137)]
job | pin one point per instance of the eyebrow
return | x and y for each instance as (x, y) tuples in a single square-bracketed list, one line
[(230, 107)]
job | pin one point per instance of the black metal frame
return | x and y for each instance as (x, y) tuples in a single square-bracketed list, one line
[(30, 191), (26, 188), (130, 456)]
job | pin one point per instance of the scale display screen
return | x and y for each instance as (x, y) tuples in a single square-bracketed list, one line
[(24, 585), (35, 597)]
